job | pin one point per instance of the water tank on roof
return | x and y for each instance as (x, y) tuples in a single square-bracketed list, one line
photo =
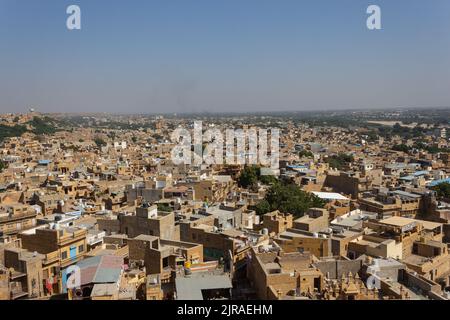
[(265, 231)]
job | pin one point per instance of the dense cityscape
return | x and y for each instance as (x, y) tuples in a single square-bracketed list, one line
[(93, 207), (224, 159)]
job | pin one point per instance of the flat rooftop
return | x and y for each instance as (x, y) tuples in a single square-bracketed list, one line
[(416, 260), (190, 288), (353, 219), (402, 221), (330, 195), (398, 221), (145, 237)]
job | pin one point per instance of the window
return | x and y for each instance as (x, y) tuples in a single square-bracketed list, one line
[(81, 248), (64, 255)]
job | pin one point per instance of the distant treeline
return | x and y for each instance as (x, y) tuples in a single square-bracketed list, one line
[(37, 125)]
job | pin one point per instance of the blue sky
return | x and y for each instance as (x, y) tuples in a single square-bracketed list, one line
[(223, 55)]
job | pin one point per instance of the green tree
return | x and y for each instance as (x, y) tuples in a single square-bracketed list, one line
[(339, 161), (288, 198), (248, 177), (266, 179), (42, 125), (11, 131), (263, 207), (443, 190), (251, 175), (2, 166), (305, 153), (164, 207), (100, 142), (401, 147)]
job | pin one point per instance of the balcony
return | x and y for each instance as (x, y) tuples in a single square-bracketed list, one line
[(51, 257), (71, 237), (16, 275), (18, 294)]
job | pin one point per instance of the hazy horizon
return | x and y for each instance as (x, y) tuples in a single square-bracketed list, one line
[(244, 113), (255, 56)]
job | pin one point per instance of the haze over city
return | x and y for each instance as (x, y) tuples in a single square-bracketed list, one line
[(224, 159), (234, 56)]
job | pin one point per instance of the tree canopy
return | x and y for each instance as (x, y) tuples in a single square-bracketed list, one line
[(164, 207), (305, 153), (401, 147), (288, 198), (100, 142), (44, 125), (11, 131), (339, 161), (443, 190), (251, 175)]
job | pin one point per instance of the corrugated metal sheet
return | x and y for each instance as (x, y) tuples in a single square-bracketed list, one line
[(101, 269), (88, 274), (104, 275), (436, 182)]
